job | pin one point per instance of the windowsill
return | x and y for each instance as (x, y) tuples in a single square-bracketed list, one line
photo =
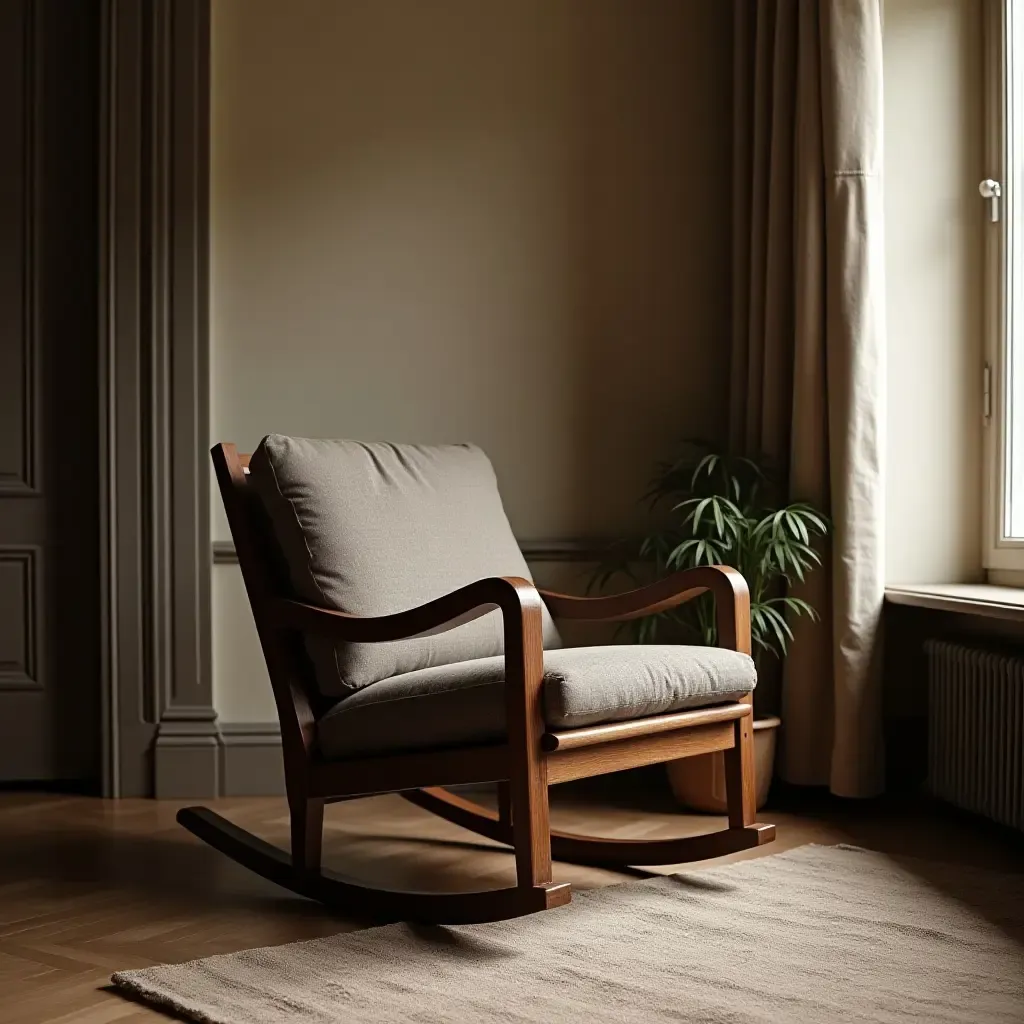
[(986, 600)]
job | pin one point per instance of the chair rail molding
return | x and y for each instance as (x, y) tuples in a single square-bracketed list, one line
[(160, 731), (567, 550)]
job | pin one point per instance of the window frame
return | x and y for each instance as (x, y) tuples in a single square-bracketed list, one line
[(1001, 554)]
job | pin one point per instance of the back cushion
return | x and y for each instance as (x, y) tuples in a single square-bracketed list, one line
[(373, 529)]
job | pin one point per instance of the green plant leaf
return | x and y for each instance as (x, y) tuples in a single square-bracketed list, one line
[(806, 552), (761, 633), (729, 507), (706, 465), (699, 511), (811, 514), (757, 618), (754, 467), (797, 526), (723, 509), (796, 563), (677, 555), (794, 604), (780, 627), (776, 616), (737, 525), (719, 518)]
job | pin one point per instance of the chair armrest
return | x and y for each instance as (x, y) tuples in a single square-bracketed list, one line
[(514, 596), (522, 622), (732, 602)]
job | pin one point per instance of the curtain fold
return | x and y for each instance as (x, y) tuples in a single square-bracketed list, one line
[(808, 348)]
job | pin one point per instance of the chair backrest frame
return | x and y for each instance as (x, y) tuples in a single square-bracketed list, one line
[(298, 701)]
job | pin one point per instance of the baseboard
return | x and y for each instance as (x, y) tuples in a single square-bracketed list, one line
[(204, 760), (251, 761), (186, 760)]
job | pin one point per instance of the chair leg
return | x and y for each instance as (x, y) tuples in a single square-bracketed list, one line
[(528, 771), (504, 803), (531, 822), (740, 783), (307, 816)]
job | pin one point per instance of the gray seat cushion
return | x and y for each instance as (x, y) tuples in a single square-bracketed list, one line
[(464, 703), (373, 529)]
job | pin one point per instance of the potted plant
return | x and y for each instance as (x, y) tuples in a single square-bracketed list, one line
[(712, 508)]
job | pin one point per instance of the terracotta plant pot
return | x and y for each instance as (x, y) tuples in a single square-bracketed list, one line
[(699, 782)]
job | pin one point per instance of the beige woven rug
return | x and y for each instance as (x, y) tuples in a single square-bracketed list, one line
[(815, 934)]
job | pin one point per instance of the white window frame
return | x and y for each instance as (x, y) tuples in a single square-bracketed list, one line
[(1001, 553)]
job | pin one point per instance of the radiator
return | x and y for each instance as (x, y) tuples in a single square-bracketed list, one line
[(976, 730)]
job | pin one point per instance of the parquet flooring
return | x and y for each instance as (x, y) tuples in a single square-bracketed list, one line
[(89, 886)]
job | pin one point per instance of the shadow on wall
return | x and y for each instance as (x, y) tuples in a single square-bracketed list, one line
[(504, 223)]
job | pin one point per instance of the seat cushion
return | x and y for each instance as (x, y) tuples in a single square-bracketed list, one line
[(373, 529), (464, 703)]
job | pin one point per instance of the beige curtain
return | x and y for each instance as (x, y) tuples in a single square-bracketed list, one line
[(808, 347)]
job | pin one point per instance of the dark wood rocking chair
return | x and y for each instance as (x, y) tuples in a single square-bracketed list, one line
[(531, 758)]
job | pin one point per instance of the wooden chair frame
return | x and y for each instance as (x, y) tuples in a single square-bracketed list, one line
[(530, 759)]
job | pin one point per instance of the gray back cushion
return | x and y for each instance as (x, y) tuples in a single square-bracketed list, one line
[(373, 529)]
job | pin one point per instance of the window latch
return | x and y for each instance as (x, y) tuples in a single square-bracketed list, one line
[(991, 190)]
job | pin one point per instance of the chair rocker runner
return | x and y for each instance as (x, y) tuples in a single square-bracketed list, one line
[(469, 687)]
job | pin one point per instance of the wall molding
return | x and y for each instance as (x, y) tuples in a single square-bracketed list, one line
[(218, 759), (29, 484), (186, 756), (24, 481), (571, 550), (159, 721), (26, 674), (251, 760)]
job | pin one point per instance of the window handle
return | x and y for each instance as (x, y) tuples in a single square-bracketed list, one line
[(991, 190)]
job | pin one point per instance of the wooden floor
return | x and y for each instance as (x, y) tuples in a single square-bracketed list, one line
[(88, 886)]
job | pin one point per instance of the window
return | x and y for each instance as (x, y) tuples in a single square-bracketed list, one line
[(1003, 196)]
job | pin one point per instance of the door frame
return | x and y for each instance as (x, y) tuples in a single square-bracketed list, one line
[(159, 726)]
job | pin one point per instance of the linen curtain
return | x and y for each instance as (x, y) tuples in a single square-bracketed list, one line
[(808, 348)]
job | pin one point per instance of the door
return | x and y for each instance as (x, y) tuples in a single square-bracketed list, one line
[(49, 492)]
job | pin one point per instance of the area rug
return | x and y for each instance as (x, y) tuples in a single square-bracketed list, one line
[(814, 934)]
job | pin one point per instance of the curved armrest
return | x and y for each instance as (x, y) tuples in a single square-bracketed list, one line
[(521, 612), (732, 602), (514, 596)]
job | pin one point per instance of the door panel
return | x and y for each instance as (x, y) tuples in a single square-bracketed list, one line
[(49, 578)]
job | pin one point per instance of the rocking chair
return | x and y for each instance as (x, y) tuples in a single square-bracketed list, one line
[(408, 651)]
